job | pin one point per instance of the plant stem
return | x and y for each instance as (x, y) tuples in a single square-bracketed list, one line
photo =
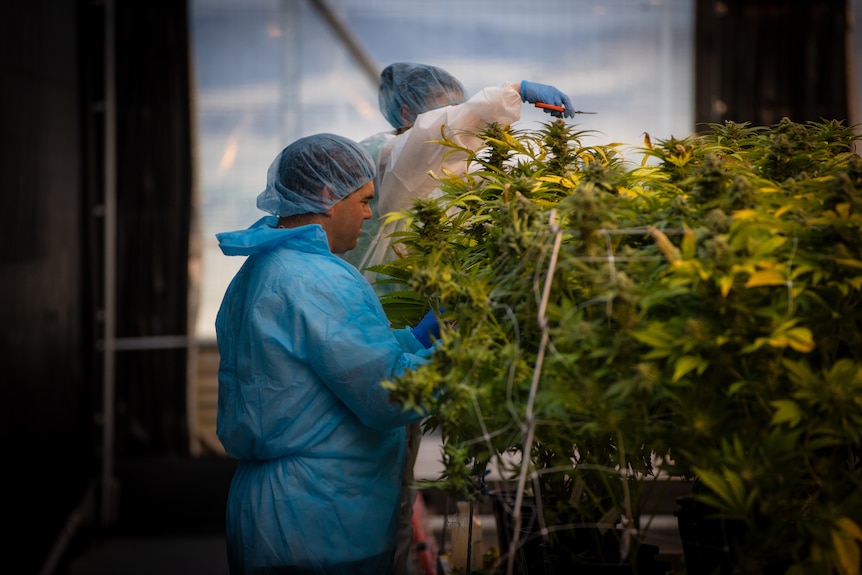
[(528, 415)]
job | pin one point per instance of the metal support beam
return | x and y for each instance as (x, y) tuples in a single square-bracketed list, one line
[(354, 47), (110, 255)]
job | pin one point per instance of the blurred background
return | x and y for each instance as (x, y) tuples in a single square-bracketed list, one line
[(134, 131)]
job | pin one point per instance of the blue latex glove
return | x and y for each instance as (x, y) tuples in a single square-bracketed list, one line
[(428, 329), (532, 92)]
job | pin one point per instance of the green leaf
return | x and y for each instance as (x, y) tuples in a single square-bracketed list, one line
[(799, 373), (845, 373), (786, 411), (801, 339), (724, 284), (846, 538), (685, 364), (848, 262), (655, 335), (769, 246), (765, 278), (729, 489)]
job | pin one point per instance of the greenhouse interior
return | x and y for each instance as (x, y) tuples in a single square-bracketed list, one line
[(626, 274)]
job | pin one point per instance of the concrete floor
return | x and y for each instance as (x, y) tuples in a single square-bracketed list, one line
[(125, 555), (205, 554), (171, 520)]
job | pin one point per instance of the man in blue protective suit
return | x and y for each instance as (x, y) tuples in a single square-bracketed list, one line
[(304, 346)]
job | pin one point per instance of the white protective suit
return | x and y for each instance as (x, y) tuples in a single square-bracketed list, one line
[(403, 165), (405, 160), (304, 346)]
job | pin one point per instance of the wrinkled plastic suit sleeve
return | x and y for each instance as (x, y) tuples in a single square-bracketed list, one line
[(355, 350), (408, 158)]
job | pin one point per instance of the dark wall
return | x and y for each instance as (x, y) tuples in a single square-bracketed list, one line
[(759, 61), (154, 192), (46, 410), (52, 264)]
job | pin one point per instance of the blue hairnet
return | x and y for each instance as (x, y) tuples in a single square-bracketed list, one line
[(408, 89), (313, 174)]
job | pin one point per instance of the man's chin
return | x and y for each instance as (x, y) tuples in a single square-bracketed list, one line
[(344, 251)]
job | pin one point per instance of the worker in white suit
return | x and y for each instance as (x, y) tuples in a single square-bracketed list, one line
[(419, 100)]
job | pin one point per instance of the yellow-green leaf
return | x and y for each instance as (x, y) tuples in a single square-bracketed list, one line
[(745, 214), (770, 246), (664, 244), (765, 278), (689, 244), (801, 339), (544, 203), (725, 283), (786, 411), (783, 209), (469, 198), (655, 336), (846, 539), (848, 262), (850, 527), (842, 209), (685, 364)]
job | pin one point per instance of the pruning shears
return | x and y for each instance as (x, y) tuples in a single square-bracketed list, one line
[(559, 108)]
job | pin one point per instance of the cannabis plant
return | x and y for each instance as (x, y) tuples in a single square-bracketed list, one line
[(693, 315)]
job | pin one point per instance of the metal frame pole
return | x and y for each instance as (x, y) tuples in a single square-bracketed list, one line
[(354, 47), (110, 254)]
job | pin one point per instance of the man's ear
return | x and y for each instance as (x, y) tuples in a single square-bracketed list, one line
[(327, 193)]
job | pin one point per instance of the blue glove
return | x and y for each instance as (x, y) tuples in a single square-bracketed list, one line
[(428, 329), (533, 93)]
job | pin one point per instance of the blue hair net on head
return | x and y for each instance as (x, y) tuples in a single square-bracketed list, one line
[(408, 89), (313, 174)]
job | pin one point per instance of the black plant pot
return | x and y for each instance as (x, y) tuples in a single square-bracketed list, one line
[(591, 551), (707, 542), (582, 550), (529, 557)]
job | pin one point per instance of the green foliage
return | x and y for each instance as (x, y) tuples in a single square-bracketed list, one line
[(703, 308)]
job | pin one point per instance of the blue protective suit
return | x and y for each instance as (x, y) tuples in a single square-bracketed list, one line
[(304, 345)]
